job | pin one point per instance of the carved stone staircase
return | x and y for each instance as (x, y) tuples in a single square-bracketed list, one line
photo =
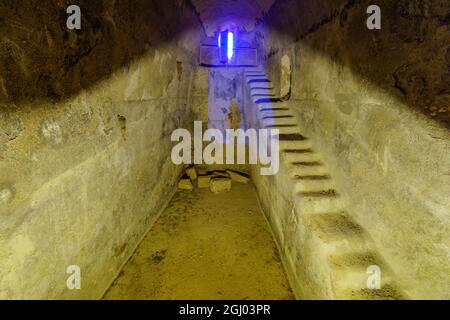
[(325, 252)]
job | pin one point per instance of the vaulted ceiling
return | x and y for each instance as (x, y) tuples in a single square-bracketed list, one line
[(222, 14)]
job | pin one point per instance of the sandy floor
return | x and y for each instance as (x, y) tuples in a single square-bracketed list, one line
[(206, 246)]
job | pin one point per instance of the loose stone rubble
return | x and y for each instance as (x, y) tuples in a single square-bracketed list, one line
[(203, 181), (238, 176), (185, 184), (219, 185), (220, 174), (217, 181), (192, 173)]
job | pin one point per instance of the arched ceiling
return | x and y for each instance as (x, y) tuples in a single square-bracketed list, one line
[(223, 14)]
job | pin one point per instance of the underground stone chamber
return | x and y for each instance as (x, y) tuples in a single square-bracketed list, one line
[(93, 205)]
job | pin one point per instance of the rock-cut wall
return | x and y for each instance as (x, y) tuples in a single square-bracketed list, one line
[(375, 105), (85, 124)]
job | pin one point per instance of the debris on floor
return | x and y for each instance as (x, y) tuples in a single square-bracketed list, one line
[(238, 176), (192, 173), (219, 185), (203, 181), (216, 180), (185, 184), (220, 174)]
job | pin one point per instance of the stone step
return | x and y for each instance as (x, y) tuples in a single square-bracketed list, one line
[(338, 233), (284, 129), (325, 193), (277, 121), (291, 137), (274, 113), (267, 99), (272, 104), (259, 80), (260, 71), (387, 292), (297, 151), (313, 204), (261, 85), (297, 157), (266, 108), (249, 76), (350, 270), (256, 97), (263, 100), (339, 229), (261, 107), (343, 250), (265, 91), (333, 235), (254, 70), (294, 144), (301, 186), (312, 177), (307, 169), (344, 246), (263, 95)]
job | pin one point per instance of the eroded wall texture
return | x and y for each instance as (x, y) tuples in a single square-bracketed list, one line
[(376, 106), (85, 124)]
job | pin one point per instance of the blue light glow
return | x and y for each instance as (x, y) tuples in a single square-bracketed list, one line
[(230, 48), (219, 39)]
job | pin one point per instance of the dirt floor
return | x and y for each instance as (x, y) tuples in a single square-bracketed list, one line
[(206, 246)]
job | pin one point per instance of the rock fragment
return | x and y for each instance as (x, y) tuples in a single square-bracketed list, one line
[(185, 184), (223, 174), (5, 196), (218, 185), (203, 181), (238, 176), (192, 173)]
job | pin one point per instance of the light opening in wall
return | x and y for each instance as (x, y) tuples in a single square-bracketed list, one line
[(219, 39), (230, 45)]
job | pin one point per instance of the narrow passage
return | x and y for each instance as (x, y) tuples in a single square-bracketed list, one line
[(206, 246)]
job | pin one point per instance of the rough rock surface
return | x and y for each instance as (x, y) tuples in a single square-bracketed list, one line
[(409, 56), (218, 185), (238, 176), (85, 124), (41, 59), (185, 184), (204, 181)]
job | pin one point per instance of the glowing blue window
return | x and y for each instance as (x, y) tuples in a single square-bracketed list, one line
[(230, 47)]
